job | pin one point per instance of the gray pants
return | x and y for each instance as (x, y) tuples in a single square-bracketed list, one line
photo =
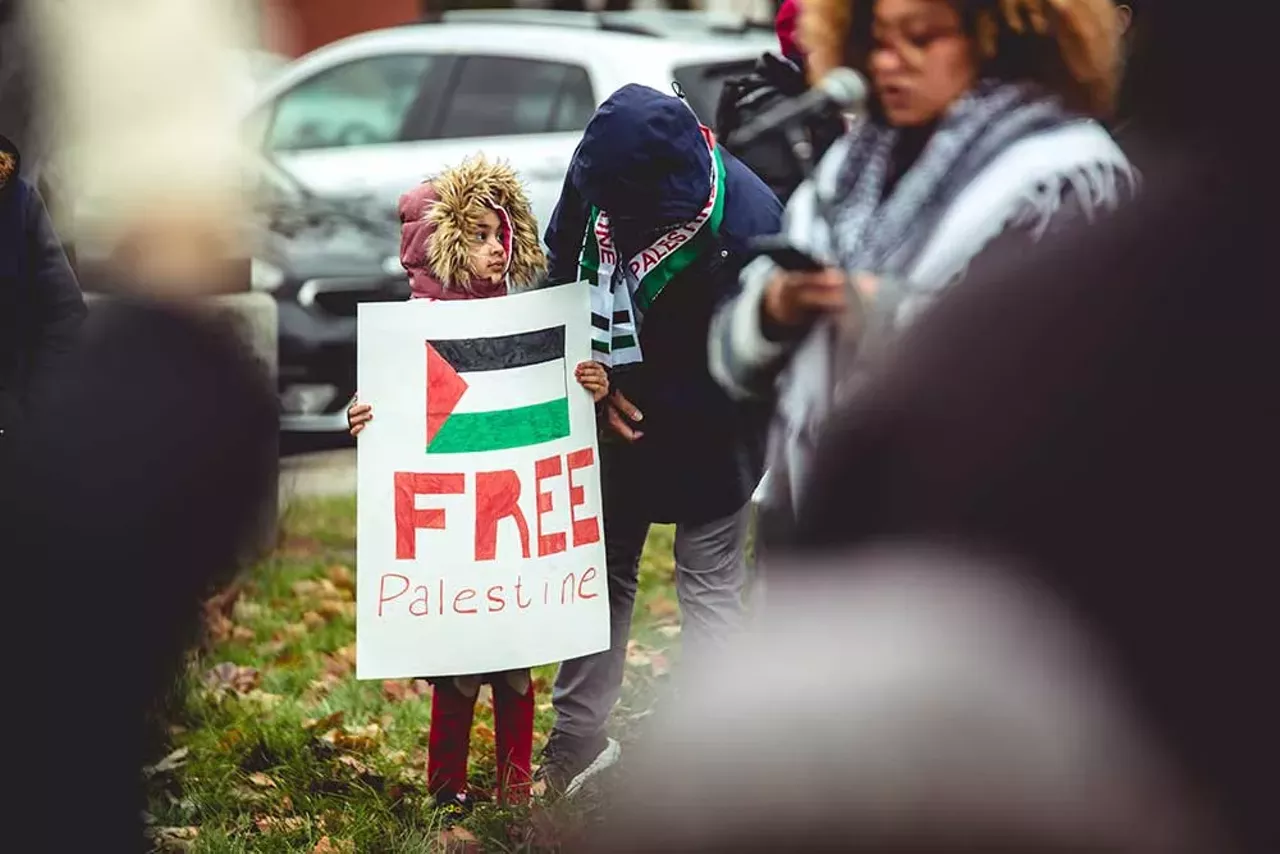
[(710, 574)]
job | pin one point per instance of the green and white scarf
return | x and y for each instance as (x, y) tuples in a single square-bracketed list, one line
[(620, 296)]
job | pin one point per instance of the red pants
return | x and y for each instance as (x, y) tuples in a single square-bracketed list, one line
[(449, 741)]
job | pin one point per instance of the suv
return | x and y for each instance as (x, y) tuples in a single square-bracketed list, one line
[(376, 113)]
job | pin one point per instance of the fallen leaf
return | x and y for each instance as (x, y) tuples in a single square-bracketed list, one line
[(325, 722), (334, 846), (347, 654), (544, 707), (360, 738), (328, 589), (458, 840), (233, 677), (243, 634), (356, 765), (293, 631), (659, 665), (258, 778), (271, 648), (637, 655), (217, 627), (263, 700), (400, 690), (330, 608), (669, 631), (173, 838), (305, 588), (274, 824), (246, 610), (312, 620), (395, 757), (484, 731), (342, 577)]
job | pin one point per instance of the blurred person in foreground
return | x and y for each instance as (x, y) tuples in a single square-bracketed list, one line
[(41, 308), (144, 465), (927, 702), (1106, 414), (659, 219), (981, 137), (775, 78)]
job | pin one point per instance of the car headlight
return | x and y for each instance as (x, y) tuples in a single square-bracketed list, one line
[(264, 276)]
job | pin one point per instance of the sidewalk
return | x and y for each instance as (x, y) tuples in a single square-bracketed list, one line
[(326, 473)]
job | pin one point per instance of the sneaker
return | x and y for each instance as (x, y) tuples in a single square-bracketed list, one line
[(454, 808), (568, 762)]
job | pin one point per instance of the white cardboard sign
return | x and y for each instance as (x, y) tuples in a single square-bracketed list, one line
[(480, 545)]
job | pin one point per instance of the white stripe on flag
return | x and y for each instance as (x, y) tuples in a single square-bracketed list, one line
[(488, 391)]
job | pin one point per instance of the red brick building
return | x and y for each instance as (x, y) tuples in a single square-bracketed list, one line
[(294, 27)]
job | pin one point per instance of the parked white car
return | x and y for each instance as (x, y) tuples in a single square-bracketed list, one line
[(376, 113)]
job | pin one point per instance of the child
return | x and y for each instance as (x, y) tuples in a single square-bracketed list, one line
[(469, 234)]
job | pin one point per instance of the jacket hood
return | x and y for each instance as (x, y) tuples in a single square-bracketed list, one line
[(10, 162), (643, 159), (438, 218)]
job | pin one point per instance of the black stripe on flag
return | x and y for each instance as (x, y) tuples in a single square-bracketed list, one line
[(622, 317), (599, 321), (503, 351)]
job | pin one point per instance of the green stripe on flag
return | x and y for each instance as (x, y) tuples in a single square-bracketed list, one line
[(466, 432), (620, 341)]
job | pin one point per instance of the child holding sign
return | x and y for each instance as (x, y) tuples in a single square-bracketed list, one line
[(469, 233)]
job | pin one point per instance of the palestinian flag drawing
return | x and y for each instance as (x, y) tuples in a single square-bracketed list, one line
[(491, 394)]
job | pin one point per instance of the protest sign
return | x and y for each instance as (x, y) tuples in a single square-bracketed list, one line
[(480, 545)]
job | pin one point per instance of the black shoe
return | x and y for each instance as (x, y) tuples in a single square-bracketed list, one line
[(568, 762), (454, 808)]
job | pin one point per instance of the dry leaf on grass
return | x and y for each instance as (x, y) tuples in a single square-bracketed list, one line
[(324, 723), (262, 780), (246, 610), (294, 631), (484, 731), (356, 765), (669, 631), (170, 763), (458, 840), (400, 690), (637, 654), (659, 665), (262, 700), (305, 589), (274, 824), (243, 634), (232, 677), (313, 621), (173, 838), (331, 608), (334, 846), (342, 577)]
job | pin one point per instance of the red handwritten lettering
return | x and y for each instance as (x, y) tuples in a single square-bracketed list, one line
[(382, 589), (586, 530), (409, 485), (495, 600), (497, 497), (464, 593), (589, 575), (552, 542)]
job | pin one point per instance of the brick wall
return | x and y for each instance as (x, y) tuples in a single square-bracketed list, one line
[(294, 27)]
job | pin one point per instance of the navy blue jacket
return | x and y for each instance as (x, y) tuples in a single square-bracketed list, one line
[(41, 307), (643, 159)]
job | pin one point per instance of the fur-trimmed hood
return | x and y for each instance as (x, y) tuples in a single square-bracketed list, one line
[(10, 162), (437, 221)]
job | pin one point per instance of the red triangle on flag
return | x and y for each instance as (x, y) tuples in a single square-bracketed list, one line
[(445, 387)]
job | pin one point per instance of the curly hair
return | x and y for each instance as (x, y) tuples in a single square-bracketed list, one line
[(8, 163), (1070, 47)]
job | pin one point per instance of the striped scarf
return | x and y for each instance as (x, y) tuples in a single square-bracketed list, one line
[(620, 295)]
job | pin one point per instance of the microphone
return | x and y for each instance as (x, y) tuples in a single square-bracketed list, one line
[(842, 88)]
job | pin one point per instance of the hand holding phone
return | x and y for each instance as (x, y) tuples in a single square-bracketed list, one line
[(782, 252)]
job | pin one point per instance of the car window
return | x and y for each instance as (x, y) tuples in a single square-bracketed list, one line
[(364, 102), (503, 96), (702, 84)]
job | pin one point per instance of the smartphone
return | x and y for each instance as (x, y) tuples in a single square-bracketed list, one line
[(778, 249)]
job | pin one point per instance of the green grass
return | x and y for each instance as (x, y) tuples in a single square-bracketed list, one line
[(274, 746)]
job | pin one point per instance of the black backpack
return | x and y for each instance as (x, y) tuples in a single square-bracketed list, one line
[(742, 99)]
